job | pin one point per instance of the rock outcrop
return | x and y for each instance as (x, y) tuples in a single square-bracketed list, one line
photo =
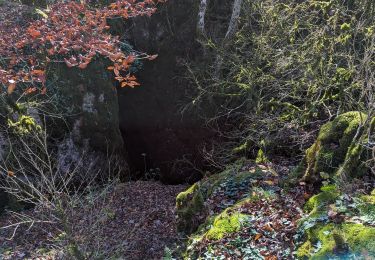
[(338, 150)]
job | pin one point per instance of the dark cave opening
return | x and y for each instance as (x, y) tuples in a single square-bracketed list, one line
[(161, 143)]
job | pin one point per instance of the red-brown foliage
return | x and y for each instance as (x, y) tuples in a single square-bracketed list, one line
[(74, 33)]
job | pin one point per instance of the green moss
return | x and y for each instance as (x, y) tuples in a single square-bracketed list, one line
[(360, 238), (369, 198), (225, 224), (235, 182), (334, 149), (261, 157), (189, 206), (317, 205), (324, 241), (345, 27), (242, 149), (304, 250)]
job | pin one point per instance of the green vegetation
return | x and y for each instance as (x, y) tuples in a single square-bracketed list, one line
[(287, 88), (291, 66), (327, 235), (235, 182)]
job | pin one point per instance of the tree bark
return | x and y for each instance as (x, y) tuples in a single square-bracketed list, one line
[(201, 17), (232, 27), (236, 11)]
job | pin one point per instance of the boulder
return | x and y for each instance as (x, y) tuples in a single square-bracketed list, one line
[(337, 226), (88, 103), (226, 215), (334, 152)]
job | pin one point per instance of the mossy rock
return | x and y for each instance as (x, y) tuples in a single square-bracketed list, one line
[(334, 153), (339, 241), (228, 225), (337, 237), (190, 209), (233, 184), (317, 205)]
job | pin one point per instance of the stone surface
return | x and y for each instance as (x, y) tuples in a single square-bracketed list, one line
[(87, 100)]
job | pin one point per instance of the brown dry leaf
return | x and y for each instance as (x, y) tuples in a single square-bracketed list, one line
[(267, 227)]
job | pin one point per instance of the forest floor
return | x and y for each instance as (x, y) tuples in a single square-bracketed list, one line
[(140, 225)]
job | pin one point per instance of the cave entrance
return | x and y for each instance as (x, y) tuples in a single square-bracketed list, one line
[(159, 143), (156, 136)]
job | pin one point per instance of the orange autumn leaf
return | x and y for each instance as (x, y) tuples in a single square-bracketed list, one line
[(11, 87), (78, 33), (37, 72), (267, 227), (30, 90), (131, 84), (83, 65), (51, 51), (257, 237), (11, 174), (34, 33)]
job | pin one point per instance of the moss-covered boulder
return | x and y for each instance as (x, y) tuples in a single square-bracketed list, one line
[(190, 209), (338, 226), (233, 184), (339, 241), (240, 213), (334, 152)]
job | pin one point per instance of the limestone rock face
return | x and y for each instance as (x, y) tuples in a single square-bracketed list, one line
[(87, 99)]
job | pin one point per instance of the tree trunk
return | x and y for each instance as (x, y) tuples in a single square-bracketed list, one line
[(232, 27), (201, 17)]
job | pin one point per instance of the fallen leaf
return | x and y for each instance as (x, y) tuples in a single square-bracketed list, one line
[(257, 237), (11, 87)]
